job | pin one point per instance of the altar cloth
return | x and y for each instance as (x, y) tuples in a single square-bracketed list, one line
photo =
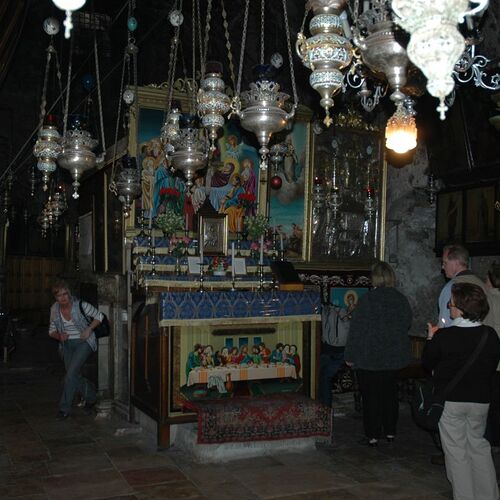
[(242, 372), (178, 307)]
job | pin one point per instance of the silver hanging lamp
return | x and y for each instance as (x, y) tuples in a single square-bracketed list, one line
[(261, 108), (48, 144), (326, 52)]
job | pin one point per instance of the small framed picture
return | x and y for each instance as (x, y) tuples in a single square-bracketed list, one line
[(194, 264), (213, 234), (240, 267)]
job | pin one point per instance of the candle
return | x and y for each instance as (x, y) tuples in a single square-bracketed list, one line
[(232, 259), (239, 225), (153, 238), (201, 250), (281, 243), (366, 5), (261, 260), (150, 224)]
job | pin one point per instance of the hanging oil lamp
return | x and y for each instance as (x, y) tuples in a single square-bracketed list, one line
[(128, 185), (326, 52), (48, 144), (213, 103), (190, 152), (77, 156), (47, 148), (261, 108)]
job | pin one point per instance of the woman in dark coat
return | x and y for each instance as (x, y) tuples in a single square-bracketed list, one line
[(377, 348)]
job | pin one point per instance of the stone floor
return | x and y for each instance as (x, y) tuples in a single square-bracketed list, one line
[(86, 458)]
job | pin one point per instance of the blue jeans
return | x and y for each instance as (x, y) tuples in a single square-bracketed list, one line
[(75, 353), (329, 364)]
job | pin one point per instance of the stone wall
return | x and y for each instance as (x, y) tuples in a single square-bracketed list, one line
[(409, 243)]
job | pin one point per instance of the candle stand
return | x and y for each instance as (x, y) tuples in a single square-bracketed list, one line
[(238, 244), (201, 289), (260, 271), (153, 261)]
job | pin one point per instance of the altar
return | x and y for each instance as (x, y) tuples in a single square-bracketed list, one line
[(170, 325)]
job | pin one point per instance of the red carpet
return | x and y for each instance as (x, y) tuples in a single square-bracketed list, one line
[(280, 416)]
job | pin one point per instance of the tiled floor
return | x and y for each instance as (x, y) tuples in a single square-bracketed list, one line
[(81, 458)]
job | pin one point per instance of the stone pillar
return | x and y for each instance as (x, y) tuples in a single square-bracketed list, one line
[(113, 350)]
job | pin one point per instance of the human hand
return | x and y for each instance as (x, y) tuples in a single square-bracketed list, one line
[(431, 330), (86, 333), (60, 336), (350, 364)]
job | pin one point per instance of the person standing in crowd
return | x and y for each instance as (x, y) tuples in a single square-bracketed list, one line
[(493, 293), (469, 465), (377, 347), (455, 266), (69, 326), (335, 321)]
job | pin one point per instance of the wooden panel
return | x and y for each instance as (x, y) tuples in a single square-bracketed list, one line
[(29, 282)]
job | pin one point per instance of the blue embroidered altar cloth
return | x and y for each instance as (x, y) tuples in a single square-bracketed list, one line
[(175, 306)]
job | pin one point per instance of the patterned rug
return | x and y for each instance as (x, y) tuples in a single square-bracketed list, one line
[(278, 416)]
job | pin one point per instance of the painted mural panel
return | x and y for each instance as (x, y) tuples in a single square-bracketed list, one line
[(288, 202)]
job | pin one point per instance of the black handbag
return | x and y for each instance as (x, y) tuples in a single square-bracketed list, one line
[(101, 330), (427, 406)]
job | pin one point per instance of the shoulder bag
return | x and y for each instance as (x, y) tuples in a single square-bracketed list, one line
[(427, 407), (101, 330)]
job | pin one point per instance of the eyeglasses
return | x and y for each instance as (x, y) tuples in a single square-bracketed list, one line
[(61, 294)]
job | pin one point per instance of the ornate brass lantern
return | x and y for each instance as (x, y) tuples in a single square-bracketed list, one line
[(262, 113), (435, 44), (77, 155), (190, 153), (380, 49), (213, 103), (47, 148), (326, 52), (128, 185)]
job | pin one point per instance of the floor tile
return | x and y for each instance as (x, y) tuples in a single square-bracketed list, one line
[(152, 475)]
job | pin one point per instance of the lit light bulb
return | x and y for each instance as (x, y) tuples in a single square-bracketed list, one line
[(68, 6), (401, 130)]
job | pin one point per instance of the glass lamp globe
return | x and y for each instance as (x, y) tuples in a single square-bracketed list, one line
[(68, 6)]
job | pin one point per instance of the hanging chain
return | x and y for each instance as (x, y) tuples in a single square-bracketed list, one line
[(193, 62), (59, 76), (207, 36), (354, 11), (290, 57), (303, 25), (228, 45), (68, 85), (242, 52), (125, 69), (262, 27), (99, 97), (112, 185), (50, 51)]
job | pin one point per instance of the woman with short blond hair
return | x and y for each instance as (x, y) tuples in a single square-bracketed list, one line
[(69, 326), (378, 346)]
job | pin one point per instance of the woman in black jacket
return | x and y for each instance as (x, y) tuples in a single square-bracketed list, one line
[(469, 465), (377, 347)]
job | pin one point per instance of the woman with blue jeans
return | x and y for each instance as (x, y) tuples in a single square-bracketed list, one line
[(69, 326)]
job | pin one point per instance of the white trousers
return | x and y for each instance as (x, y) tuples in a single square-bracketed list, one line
[(469, 465)]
